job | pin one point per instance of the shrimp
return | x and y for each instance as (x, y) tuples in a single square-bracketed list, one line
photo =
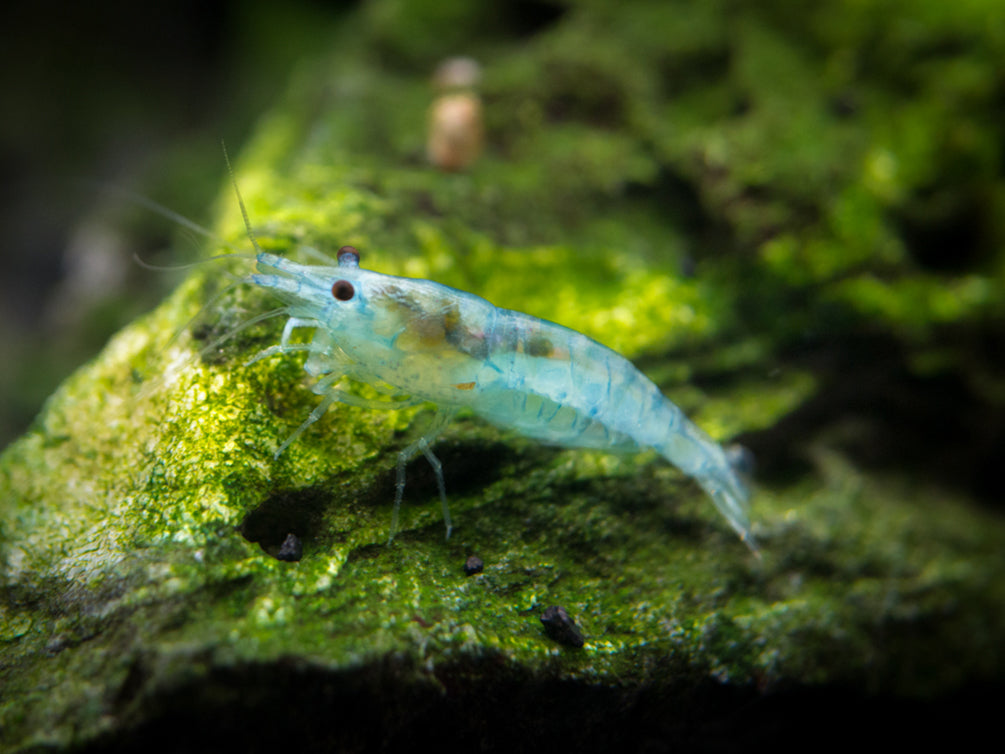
[(417, 341)]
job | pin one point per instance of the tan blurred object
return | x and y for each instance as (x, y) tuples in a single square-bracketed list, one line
[(456, 129)]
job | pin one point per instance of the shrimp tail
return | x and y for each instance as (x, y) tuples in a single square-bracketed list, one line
[(730, 495), (720, 472)]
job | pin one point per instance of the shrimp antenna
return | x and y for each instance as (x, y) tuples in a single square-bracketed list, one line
[(240, 199), (161, 210), (176, 267)]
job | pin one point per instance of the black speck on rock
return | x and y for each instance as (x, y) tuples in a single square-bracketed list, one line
[(560, 627), (292, 549)]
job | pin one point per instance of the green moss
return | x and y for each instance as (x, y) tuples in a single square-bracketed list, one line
[(142, 512)]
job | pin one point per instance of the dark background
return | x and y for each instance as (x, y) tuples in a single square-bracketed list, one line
[(132, 96)]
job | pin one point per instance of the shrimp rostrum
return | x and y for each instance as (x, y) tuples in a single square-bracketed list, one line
[(436, 344)]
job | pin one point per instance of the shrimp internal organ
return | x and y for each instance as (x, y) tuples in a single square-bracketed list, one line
[(436, 344)]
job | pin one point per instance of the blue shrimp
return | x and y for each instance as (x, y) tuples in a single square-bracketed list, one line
[(417, 341)]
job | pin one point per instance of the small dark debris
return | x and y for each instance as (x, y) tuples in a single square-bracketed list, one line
[(845, 105), (473, 565), (560, 627), (300, 511), (291, 549), (202, 331)]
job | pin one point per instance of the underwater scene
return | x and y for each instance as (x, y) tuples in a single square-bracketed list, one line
[(496, 376)]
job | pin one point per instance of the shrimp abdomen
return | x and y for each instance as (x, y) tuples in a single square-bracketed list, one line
[(563, 388), (558, 386)]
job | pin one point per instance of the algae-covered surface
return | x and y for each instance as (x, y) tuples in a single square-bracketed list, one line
[(748, 206)]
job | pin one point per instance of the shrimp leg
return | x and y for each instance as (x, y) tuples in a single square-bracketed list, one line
[(284, 345), (207, 349), (440, 421), (332, 395)]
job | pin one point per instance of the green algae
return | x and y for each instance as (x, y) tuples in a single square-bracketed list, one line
[(142, 513)]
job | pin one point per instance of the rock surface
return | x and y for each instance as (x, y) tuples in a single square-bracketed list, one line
[(752, 214)]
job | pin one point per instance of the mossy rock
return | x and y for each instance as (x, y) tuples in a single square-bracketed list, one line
[(152, 596)]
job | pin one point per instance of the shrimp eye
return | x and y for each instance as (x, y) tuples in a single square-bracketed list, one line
[(348, 257), (343, 290)]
